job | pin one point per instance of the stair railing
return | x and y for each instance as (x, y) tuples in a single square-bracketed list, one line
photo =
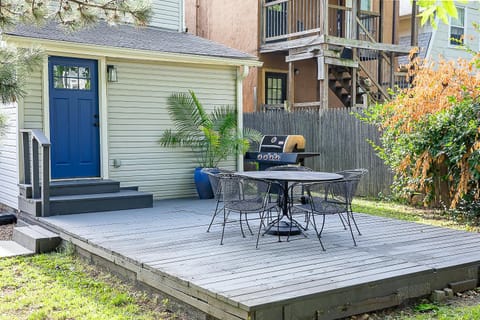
[(31, 140)]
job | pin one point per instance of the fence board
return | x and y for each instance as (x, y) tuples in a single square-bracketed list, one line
[(339, 137)]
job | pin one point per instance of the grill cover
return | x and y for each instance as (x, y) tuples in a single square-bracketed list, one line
[(282, 143)]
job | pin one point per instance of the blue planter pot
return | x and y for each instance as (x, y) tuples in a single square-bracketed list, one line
[(204, 188)]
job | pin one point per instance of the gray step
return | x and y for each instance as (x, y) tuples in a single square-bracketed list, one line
[(75, 187), (36, 238), (122, 200), (72, 187)]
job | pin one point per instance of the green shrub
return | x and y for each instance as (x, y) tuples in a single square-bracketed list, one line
[(430, 137)]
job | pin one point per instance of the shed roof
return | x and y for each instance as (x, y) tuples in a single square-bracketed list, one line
[(131, 37)]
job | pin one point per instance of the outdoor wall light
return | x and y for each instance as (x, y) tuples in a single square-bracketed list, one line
[(296, 71), (112, 73)]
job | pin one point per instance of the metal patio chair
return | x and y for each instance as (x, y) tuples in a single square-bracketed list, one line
[(214, 178), (334, 198), (245, 196), (354, 175)]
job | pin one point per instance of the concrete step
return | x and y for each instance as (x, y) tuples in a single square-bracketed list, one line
[(36, 238), (122, 200), (13, 249)]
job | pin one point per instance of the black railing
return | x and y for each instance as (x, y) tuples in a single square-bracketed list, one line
[(290, 19)]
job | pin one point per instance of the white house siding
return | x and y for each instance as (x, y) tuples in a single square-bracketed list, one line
[(32, 105), (9, 174), (167, 14), (8, 157), (137, 116), (441, 47)]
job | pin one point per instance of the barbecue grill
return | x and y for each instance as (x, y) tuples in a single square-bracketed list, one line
[(275, 150)]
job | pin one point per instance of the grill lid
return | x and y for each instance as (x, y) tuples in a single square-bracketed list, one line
[(282, 143)]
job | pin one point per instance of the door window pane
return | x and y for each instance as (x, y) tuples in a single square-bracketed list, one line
[(71, 77)]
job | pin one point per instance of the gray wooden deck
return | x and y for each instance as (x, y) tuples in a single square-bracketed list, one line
[(167, 247)]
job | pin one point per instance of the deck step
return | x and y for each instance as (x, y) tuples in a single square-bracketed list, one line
[(71, 187), (75, 187), (36, 238), (122, 200)]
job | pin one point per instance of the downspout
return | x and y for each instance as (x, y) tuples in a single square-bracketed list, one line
[(242, 73)]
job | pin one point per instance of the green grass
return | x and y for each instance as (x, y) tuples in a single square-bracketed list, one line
[(60, 286), (441, 312), (408, 213)]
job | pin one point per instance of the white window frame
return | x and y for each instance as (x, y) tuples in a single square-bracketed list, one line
[(452, 20)]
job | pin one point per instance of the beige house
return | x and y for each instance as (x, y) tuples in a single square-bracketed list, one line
[(97, 108), (312, 50)]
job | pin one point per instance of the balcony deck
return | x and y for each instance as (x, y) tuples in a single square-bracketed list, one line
[(167, 248)]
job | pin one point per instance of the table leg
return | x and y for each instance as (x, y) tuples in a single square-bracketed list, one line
[(285, 225)]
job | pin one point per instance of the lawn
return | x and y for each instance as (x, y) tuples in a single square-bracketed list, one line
[(61, 286)]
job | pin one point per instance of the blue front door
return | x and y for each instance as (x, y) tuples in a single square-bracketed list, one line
[(74, 118)]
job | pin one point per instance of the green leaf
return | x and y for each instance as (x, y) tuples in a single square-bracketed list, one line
[(443, 15), (450, 8)]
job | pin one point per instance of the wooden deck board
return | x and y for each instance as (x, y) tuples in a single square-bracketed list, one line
[(168, 246)]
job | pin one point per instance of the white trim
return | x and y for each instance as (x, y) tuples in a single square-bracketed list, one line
[(70, 48), (46, 106), (102, 104), (46, 98), (242, 72), (103, 116), (181, 18)]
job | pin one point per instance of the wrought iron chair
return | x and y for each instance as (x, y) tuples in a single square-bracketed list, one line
[(214, 178), (245, 196), (355, 175), (334, 197)]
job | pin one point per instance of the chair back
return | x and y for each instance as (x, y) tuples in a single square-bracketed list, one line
[(329, 196), (352, 177), (276, 189), (213, 177), (243, 194)]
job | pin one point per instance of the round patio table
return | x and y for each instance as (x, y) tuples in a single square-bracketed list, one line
[(283, 179)]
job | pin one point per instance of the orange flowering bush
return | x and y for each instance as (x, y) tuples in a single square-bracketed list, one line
[(431, 134)]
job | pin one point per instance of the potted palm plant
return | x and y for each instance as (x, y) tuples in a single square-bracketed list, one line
[(213, 137)]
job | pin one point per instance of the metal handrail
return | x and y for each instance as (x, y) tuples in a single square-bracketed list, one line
[(31, 176)]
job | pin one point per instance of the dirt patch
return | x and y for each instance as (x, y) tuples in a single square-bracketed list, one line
[(6, 232)]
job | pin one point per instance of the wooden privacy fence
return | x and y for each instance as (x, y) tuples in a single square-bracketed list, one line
[(339, 137)]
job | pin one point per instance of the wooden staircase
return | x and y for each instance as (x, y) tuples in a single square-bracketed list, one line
[(340, 82), (81, 196)]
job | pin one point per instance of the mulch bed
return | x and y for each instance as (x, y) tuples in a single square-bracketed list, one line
[(6, 226)]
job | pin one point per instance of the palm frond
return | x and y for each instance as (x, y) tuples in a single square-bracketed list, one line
[(200, 110), (213, 137)]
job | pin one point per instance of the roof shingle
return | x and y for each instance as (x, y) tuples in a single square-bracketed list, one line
[(130, 37)]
